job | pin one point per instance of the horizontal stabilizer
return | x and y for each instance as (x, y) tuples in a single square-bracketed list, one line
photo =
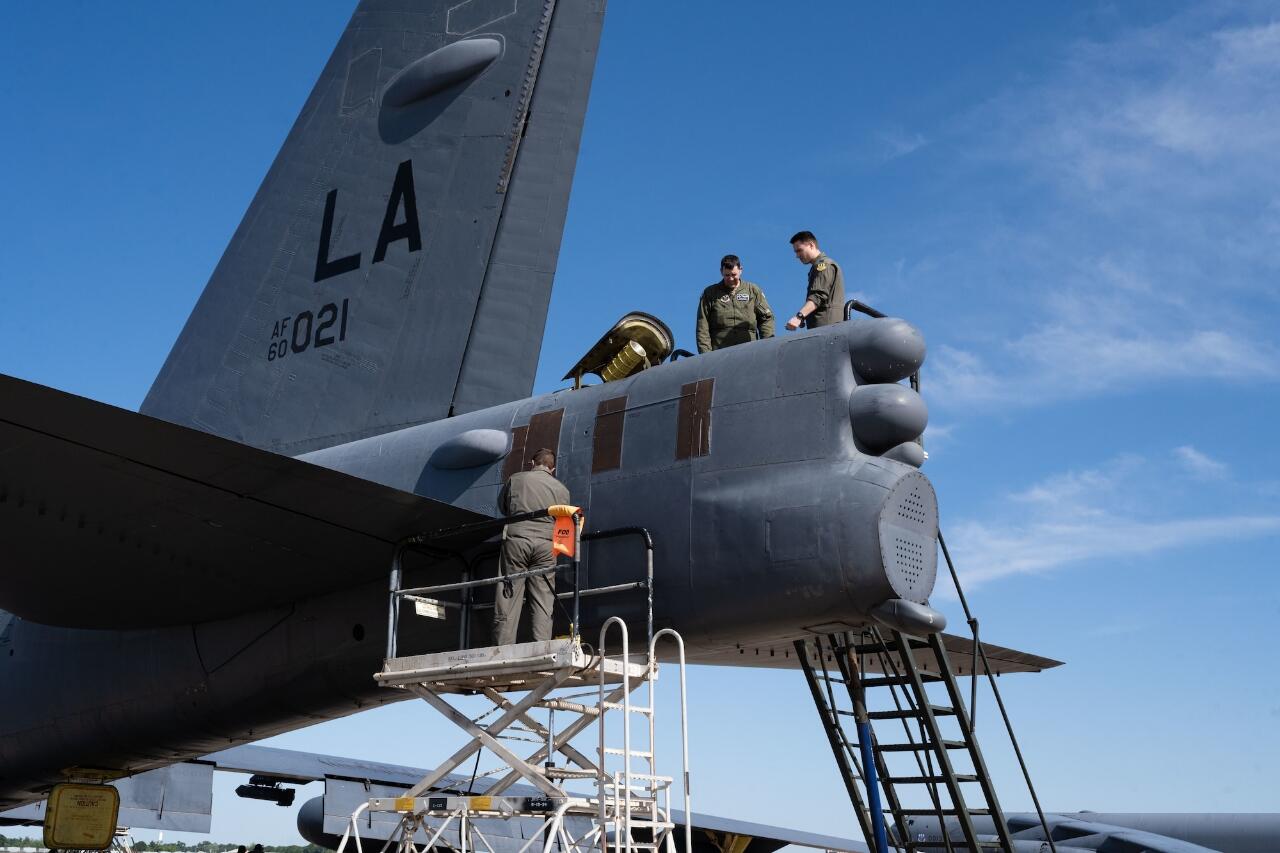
[(960, 654), (113, 519)]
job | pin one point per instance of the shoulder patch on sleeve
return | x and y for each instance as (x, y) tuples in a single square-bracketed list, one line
[(820, 267)]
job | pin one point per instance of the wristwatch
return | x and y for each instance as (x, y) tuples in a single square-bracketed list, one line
[(799, 315)]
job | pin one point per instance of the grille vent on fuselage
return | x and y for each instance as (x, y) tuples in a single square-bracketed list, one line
[(908, 538)]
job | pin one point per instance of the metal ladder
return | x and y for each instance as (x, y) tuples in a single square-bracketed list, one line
[(872, 762), (634, 800)]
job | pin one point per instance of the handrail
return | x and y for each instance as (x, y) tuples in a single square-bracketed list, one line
[(995, 691), (397, 567), (858, 305), (643, 532), (397, 593), (450, 587), (626, 727), (684, 726)]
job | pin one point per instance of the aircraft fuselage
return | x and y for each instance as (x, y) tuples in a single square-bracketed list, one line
[(770, 515)]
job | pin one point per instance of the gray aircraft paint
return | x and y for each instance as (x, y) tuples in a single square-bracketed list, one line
[(1097, 831), (433, 277), (784, 462), (793, 512)]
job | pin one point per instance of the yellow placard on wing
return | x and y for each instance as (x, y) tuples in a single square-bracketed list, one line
[(481, 804), (81, 816), (404, 804)]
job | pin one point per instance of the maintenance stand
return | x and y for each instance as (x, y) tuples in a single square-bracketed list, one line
[(548, 693)]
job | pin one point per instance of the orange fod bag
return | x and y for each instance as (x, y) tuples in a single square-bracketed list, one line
[(563, 538)]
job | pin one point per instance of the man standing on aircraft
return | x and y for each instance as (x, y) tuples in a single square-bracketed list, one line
[(527, 545), (732, 311), (824, 301)]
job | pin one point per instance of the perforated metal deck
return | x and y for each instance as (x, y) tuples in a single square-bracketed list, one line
[(509, 668)]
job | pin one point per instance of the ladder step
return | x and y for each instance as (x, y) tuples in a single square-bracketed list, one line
[(936, 812), (618, 706), (635, 753), (916, 747), (928, 780), (569, 773), (898, 680), (566, 705), (910, 713)]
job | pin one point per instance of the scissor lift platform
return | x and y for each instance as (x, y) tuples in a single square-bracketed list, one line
[(515, 667), (629, 811), (546, 693)]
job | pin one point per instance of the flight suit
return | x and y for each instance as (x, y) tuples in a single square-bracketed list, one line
[(727, 317), (527, 545), (826, 291)]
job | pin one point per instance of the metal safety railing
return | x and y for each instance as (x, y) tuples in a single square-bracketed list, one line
[(467, 606)]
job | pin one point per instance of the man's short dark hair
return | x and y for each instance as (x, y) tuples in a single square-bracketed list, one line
[(545, 457), (728, 262), (804, 237)]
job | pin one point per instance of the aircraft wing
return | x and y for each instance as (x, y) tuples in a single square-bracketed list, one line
[(112, 519), (349, 781), (782, 655)]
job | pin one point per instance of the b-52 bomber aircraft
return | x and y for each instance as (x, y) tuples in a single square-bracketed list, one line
[(213, 570)]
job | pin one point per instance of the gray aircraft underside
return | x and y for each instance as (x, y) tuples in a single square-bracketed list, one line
[(213, 570)]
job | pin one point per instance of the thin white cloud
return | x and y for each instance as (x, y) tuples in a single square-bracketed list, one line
[(896, 142), (1062, 361), (995, 551), (1150, 255), (1200, 464), (1088, 515)]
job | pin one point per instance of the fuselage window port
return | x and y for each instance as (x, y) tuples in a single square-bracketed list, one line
[(693, 420), (543, 431), (606, 441)]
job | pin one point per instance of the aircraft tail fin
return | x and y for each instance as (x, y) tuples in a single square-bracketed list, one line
[(395, 265)]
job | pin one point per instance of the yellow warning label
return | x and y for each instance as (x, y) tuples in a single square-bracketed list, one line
[(404, 804), (81, 816), (481, 804)]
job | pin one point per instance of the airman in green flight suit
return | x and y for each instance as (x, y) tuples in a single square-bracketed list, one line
[(527, 545), (824, 298), (732, 311)]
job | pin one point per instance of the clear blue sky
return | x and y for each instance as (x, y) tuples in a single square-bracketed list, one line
[(1079, 205)]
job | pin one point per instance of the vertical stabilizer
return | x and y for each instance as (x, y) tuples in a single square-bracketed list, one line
[(395, 265)]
